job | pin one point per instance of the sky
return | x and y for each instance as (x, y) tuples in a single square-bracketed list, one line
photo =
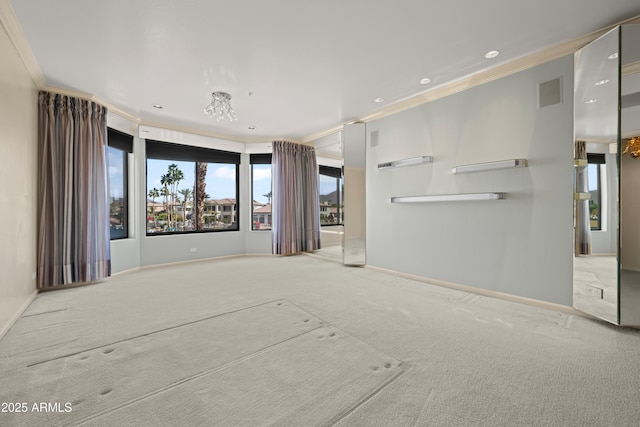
[(220, 182)]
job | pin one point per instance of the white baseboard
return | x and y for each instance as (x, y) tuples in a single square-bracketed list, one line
[(18, 313), (190, 261), (485, 292)]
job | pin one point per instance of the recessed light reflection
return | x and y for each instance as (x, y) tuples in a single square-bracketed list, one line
[(425, 81), (591, 101), (378, 100), (491, 54), (602, 82), (613, 56), (158, 106)]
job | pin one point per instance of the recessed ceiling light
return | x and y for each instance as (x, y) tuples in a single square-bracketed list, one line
[(591, 101), (158, 106), (252, 127), (425, 81), (613, 56), (491, 54), (602, 82), (378, 100)]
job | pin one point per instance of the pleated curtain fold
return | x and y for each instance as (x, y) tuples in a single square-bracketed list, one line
[(296, 204), (582, 218), (73, 232)]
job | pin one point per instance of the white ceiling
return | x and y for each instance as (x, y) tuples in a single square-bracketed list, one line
[(294, 68)]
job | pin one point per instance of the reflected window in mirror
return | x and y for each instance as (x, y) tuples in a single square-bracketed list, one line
[(596, 173), (331, 187)]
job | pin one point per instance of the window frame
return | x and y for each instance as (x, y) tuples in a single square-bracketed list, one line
[(336, 173), (124, 143), (260, 159), (598, 160), (168, 151)]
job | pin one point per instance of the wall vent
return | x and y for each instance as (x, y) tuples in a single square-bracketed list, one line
[(550, 93), (374, 139)]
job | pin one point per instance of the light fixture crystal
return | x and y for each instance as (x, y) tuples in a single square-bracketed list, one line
[(633, 147), (220, 107)]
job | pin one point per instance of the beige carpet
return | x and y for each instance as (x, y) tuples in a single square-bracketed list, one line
[(301, 341)]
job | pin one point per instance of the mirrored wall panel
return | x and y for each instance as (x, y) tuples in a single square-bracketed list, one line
[(607, 241), (629, 250), (353, 160)]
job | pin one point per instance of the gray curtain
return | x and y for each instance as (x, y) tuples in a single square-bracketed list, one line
[(73, 232), (296, 204), (583, 223)]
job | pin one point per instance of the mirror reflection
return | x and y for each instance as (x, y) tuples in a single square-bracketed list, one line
[(596, 177), (629, 249), (607, 116)]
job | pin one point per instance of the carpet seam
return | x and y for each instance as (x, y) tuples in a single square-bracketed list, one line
[(154, 332), (339, 418), (348, 333), (197, 376), (44, 312)]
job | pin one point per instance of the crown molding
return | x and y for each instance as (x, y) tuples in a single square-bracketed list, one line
[(89, 97), (12, 27), (14, 31), (630, 69), (197, 131), (495, 73), (137, 122)]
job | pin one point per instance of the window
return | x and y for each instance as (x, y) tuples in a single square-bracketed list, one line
[(596, 168), (261, 191), (118, 149), (330, 185), (191, 189)]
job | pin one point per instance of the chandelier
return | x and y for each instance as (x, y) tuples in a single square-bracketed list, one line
[(220, 107), (633, 146)]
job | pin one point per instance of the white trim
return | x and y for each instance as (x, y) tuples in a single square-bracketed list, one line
[(13, 319), (13, 29), (479, 78), (631, 68), (191, 261), (11, 25), (485, 292)]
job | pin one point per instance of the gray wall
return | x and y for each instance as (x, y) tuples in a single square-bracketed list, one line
[(521, 245)]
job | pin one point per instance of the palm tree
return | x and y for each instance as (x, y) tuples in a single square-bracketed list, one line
[(186, 195), (164, 192), (154, 193), (170, 180), (268, 196), (165, 180), (201, 195)]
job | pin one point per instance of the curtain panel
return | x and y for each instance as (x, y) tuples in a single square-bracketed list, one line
[(582, 219), (73, 232), (296, 200)]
